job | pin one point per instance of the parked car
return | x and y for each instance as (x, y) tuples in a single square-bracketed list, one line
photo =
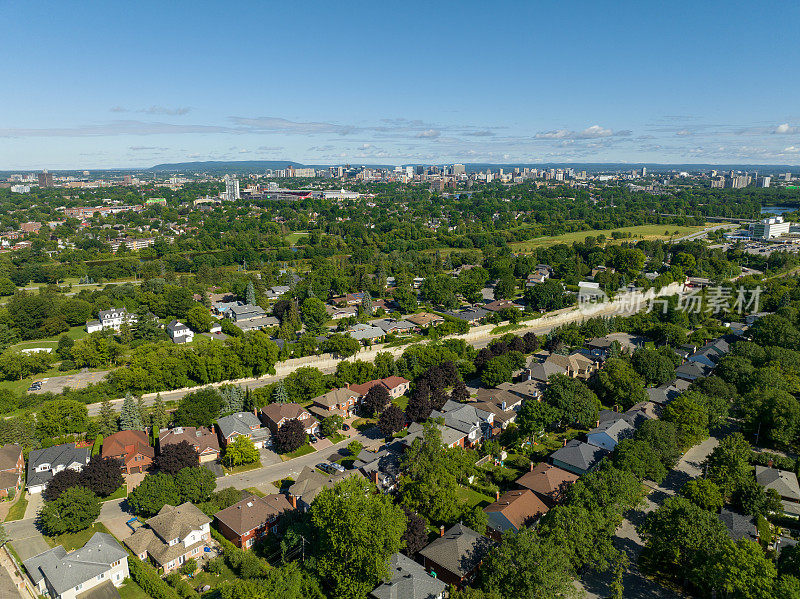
[(346, 427), (327, 468), (312, 438), (337, 467)]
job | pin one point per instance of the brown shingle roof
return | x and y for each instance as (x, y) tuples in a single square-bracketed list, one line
[(9, 456), (519, 507), (253, 512), (547, 481)]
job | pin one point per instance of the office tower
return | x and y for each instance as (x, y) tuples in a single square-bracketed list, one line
[(459, 169), (231, 189), (644, 171), (45, 179), (764, 181)]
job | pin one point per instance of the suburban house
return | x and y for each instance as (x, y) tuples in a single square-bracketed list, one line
[(172, 536), (578, 457), (113, 318), (424, 319), (512, 511), (601, 346), (248, 521), (310, 482), (455, 556), (44, 463), (408, 580), (473, 317), (179, 332), (663, 394), (548, 482), (542, 371), (450, 436), (204, 441), (640, 412), (739, 526), (467, 419), (690, 371), (394, 326), (242, 312), (575, 365), (61, 575), (711, 353), (498, 305), (395, 385), (12, 465), (609, 433), (365, 332), (784, 483), (244, 424), (275, 414), (336, 313), (349, 299), (339, 401), (132, 448), (381, 467)]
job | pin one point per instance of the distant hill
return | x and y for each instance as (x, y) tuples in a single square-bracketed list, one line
[(236, 166)]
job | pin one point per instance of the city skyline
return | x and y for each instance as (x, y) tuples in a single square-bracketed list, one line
[(452, 83)]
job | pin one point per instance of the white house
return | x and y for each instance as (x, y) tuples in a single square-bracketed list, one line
[(113, 318), (179, 332), (61, 575), (43, 464), (609, 433)]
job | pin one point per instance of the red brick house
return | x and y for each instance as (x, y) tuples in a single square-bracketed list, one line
[(395, 385), (12, 465), (250, 520), (132, 447), (203, 440), (275, 414)]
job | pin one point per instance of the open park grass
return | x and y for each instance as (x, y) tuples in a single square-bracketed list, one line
[(638, 232)]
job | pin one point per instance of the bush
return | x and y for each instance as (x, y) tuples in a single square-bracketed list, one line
[(147, 577)]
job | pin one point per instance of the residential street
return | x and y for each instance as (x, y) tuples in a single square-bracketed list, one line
[(636, 585)]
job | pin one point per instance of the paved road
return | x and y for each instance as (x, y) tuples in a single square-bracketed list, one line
[(705, 232), (614, 308), (636, 585), (263, 477)]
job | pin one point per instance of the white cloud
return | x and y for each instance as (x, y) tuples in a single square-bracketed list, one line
[(786, 129), (178, 111), (593, 132), (791, 150), (429, 134)]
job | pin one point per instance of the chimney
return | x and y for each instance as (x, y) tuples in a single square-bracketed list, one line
[(497, 495), (565, 443), (531, 466), (596, 423), (769, 463), (441, 530), (375, 477), (293, 501)]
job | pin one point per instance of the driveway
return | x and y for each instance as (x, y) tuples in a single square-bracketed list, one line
[(25, 538), (114, 514), (35, 503), (269, 457), (637, 586)]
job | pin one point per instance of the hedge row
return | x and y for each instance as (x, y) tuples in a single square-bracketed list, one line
[(147, 577)]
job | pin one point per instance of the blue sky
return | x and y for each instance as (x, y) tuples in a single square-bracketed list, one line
[(128, 84)]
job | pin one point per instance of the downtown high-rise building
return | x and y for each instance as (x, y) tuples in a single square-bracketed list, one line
[(231, 189), (45, 179)]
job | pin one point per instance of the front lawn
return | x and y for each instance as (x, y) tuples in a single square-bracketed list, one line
[(17, 511), (283, 483), (336, 438), (242, 468), (255, 492), (302, 450), (364, 424), (75, 540), (120, 493)]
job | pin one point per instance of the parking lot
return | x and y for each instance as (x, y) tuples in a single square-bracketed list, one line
[(56, 384)]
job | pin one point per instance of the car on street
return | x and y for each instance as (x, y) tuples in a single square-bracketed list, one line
[(337, 467), (327, 468)]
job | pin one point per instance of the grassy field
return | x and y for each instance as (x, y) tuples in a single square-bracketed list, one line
[(638, 232), (131, 590), (17, 511), (74, 540), (471, 498), (293, 238), (118, 494)]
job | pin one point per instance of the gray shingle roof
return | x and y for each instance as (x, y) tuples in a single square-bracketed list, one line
[(783, 481), (239, 423), (408, 580), (58, 455), (64, 570), (738, 525), (579, 454), (459, 550)]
